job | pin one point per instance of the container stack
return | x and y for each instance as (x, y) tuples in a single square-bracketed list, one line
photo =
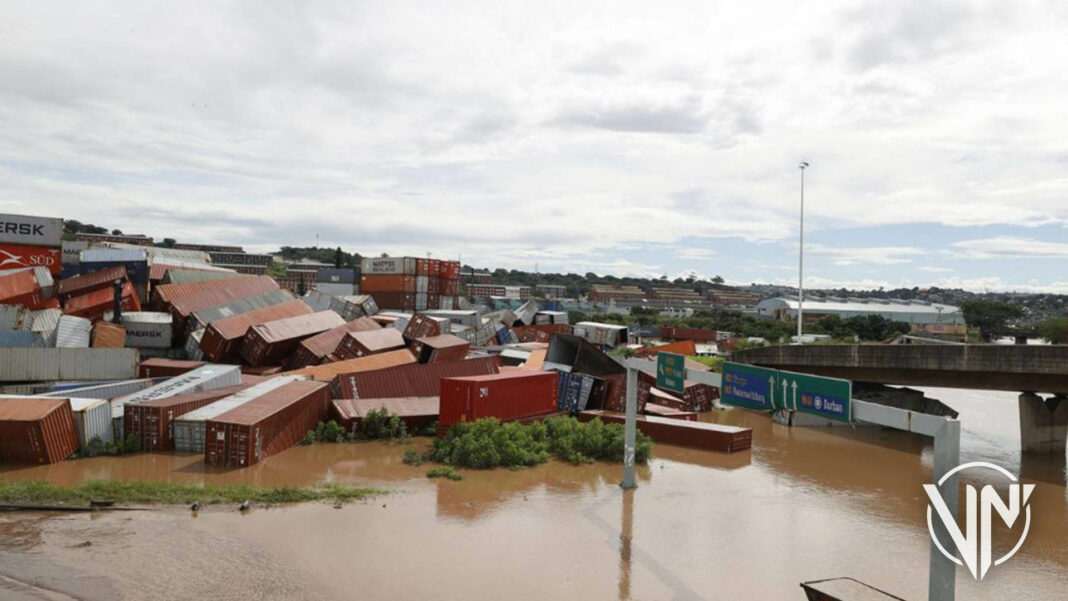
[(410, 283)]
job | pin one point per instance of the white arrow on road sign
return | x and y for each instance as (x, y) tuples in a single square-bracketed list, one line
[(795, 395), (771, 391)]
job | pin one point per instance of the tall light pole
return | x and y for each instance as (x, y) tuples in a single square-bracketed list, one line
[(801, 257)]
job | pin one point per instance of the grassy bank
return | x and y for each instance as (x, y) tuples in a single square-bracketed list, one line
[(38, 492)]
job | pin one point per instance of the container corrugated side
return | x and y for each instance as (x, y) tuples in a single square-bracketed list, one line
[(52, 364), (204, 378), (189, 431), (15, 317), (201, 319), (146, 329), (93, 420), (167, 368), (45, 322), (312, 350), (329, 371), (20, 339), (507, 396), (73, 332), (416, 380), (272, 342), (36, 430), (150, 422), (103, 391), (222, 339)]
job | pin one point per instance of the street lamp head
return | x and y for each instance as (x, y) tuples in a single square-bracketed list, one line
[(803, 165)]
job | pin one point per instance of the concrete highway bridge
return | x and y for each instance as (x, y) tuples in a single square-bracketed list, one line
[(1030, 370)]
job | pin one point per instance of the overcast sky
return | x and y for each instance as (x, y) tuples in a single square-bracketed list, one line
[(631, 138)]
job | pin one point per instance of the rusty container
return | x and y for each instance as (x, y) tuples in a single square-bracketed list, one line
[(440, 349), (313, 350), (166, 368), (84, 284), (272, 342), (418, 380), (150, 422), (222, 338), (368, 342), (95, 304), (506, 396), (36, 430)]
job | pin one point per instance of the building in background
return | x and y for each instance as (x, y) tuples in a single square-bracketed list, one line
[(209, 248), (240, 262), (137, 239), (600, 293), (685, 294), (552, 290), (733, 299), (911, 312)]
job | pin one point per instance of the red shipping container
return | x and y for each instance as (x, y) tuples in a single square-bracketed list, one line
[(417, 380), (433, 301), (431, 267), (506, 396), (266, 425), (448, 287), (184, 306), (273, 342), (222, 338), (312, 351), (421, 326), (387, 283), (329, 371), (449, 270), (369, 342), (84, 284), (166, 368), (21, 288), (166, 294), (403, 301), (95, 304), (675, 333), (541, 332), (150, 421), (13, 256), (108, 335), (415, 412), (440, 349), (36, 430)]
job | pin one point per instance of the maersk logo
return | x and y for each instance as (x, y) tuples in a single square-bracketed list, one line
[(22, 229)]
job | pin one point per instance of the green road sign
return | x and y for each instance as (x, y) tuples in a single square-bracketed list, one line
[(749, 386), (825, 397), (670, 372)]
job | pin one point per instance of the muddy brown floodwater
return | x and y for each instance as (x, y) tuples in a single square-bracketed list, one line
[(804, 504)]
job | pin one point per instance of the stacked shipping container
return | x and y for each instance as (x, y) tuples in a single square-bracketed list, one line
[(410, 283)]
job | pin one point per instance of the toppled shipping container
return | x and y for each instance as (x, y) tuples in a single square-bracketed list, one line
[(313, 350), (106, 390), (422, 325), (368, 342), (329, 371), (150, 422), (166, 368), (440, 349), (506, 396), (200, 319), (15, 317), (166, 293), (604, 334), (22, 288), (73, 332), (223, 337), (220, 294), (148, 329), (272, 342), (266, 425), (36, 430), (90, 282), (56, 364), (201, 379), (92, 418), (189, 429), (416, 412), (108, 335), (351, 307), (135, 260), (418, 380), (94, 304)]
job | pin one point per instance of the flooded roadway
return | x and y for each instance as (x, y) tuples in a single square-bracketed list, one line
[(804, 504)]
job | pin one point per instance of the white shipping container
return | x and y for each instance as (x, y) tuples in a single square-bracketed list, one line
[(45, 323), (31, 230), (56, 364), (334, 289), (72, 251), (73, 332), (148, 329), (93, 420), (106, 391), (15, 317), (189, 428), (421, 283), (525, 313), (351, 307), (318, 300), (388, 265), (208, 377)]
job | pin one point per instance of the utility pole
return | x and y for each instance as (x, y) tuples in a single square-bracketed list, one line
[(801, 258)]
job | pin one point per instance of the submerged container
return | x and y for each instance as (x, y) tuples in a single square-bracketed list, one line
[(73, 332), (150, 422), (222, 338), (440, 349), (311, 351), (274, 341), (148, 329), (506, 396), (418, 380), (266, 425), (92, 417), (415, 412), (368, 342), (189, 429), (204, 378), (36, 430)]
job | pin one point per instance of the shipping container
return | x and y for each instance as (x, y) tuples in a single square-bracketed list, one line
[(351, 307), (318, 300), (417, 380), (18, 255), (574, 390), (695, 396), (184, 306), (447, 303), (506, 396), (668, 412), (200, 319), (150, 422), (265, 426), (702, 435), (90, 282), (189, 428), (73, 332), (272, 342), (683, 347), (402, 301), (21, 339), (165, 294), (201, 379), (467, 318), (370, 284), (223, 337), (388, 265), (72, 250), (192, 345), (16, 317), (422, 325), (336, 275), (416, 412), (188, 276), (369, 342), (45, 323), (166, 368), (147, 329), (675, 333), (421, 301), (108, 335), (36, 430), (335, 289), (440, 349), (330, 371), (31, 230), (44, 278), (22, 288), (135, 261), (548, 317), (92, 418), (311, 351), (94, 304), (88, 390)]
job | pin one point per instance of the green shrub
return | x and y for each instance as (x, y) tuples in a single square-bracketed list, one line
[(444, 472), (380, 423), (584, 442), (412, 457)]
